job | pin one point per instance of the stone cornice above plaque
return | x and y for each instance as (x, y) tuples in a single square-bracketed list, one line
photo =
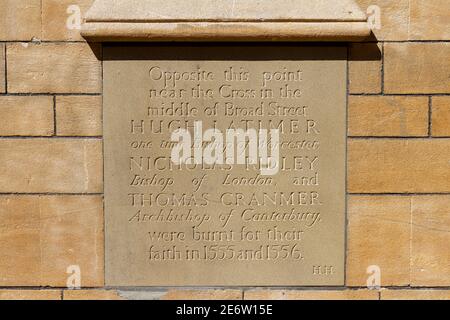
[(225, 20)]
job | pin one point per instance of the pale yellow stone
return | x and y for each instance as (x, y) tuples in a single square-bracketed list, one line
[(41, 236), (226, 31), (224, 10), (365, 68), (26, 116), (79, 115), (228, 294), (430, 261), (389, 18), (30, 294), (310, 295), (20, 20), (53, 68), (429, 294), (61, 19), (398, 20), (2, 69), (51, 165), (223, 20), (417, 68), (399, 166), (20, 260), (72, 234), (440, 115), (95, 294), (429, 20), (173, 294), (378, 234), (388, 116)]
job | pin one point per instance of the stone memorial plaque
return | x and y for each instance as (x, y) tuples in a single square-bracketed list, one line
[(224, 165)]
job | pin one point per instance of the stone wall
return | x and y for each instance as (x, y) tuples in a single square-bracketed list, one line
[(51, 184)]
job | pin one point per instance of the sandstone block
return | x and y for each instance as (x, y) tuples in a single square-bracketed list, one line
[(417, 68), (440, 119), (51, 165), (392, 116), (399, 165), (21, 20), (53, 68), (379, 235), (79, 115), (26, 116), (310, 295), (430, 252)]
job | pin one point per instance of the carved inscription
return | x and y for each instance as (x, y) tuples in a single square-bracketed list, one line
[(224, 166)]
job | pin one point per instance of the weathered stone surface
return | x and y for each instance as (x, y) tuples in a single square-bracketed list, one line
[(95, 294), (417, 68), (440, 116), (408, 19), (51, 165), (30, 294), (388, 116), (20, 260), (228, 294), (365, 68), (389, 18), (310, 295), (223, 10), (415, 294), (398, 166), (26, 116), (61, 19), (430, 261), (429, 20), (226, 31), (2, 69), (72, 234), (173, 294), (79, 115), (41, 236), (53, 68), (220, 20), (21, 20), (379, 234)]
